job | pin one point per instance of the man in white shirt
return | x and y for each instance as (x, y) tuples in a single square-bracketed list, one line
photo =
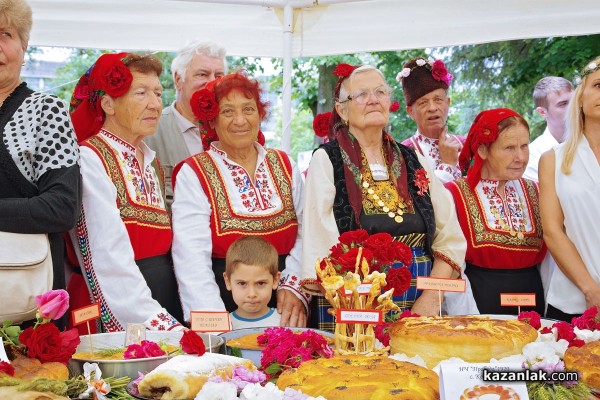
[(551, 97), (179, 135), (425, 85)]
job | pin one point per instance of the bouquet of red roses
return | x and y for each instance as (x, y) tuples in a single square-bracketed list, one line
[(354, 275)]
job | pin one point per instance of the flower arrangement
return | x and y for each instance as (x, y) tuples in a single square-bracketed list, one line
[(284, 349), (43, 341), (353, 277), (548, 351), (437, 67)]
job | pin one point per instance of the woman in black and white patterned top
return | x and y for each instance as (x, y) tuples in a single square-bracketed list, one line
[(39, 156)]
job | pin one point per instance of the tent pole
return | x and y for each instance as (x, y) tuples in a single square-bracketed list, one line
[(286, 93)]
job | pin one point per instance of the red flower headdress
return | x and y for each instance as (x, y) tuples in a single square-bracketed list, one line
[(109, 75), (205, 107), (321, 124), (483, 131)]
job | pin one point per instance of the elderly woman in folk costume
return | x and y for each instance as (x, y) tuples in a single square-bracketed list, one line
[(364, 179), (569, 192), (499, 212), (39, 173), (123, 237), (235, 187)]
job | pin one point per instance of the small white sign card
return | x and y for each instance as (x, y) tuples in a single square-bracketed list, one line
[(461, 380), (3, 356)]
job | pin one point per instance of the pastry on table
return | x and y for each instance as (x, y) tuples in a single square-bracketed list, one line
[(183, 376), (586, 361), (471, 338), (360, 377), (10, 392), (31, 368)]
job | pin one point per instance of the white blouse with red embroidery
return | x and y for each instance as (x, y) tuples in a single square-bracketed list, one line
[(192, 240), (429, 148), (116, 274), (509, 213)]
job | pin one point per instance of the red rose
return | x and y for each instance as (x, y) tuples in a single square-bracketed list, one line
[(6, 368), (204, 105), (82, 89), (192, 343), (395, 106), (398, 279), (321, 124), (347, 261), (440, 73), (344, 70), (353, 237), (116, 80), (47, 344)]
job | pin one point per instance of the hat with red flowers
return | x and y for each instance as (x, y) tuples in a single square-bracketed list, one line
[(420, 76), (109, 75), (484, 131)]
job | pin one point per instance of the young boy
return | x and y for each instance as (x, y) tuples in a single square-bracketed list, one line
[(251, 274)]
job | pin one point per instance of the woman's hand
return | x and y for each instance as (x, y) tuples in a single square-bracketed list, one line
[(292, 310), (427, 304), (592, 297)]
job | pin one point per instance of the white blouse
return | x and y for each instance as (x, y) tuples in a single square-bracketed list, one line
[(192, 237)]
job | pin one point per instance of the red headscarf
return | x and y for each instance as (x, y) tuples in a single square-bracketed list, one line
[(109, 76), (483, 131)]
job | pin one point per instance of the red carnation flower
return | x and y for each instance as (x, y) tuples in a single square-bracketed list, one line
[(355, 237), (381, 332), (398, 279), (395, 106), (321, 124), (6, 368), (344, 70), (530, 317), (204, 105), (400, 252), (347, 261)]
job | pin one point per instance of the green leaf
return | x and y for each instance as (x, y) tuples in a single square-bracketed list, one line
[(273, 369), (235, 351), (13, 331)]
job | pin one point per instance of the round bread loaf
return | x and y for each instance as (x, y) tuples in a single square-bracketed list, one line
[(360, 377), (471, 338), (586, 361)]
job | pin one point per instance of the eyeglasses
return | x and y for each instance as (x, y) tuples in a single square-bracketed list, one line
[(362, 96)]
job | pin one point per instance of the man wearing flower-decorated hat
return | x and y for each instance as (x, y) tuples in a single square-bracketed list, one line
[(425, 86), (179, 135)]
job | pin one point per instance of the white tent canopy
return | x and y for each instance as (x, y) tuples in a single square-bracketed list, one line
[(303, 28)]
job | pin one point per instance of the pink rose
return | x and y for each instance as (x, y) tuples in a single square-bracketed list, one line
[(52, 304)]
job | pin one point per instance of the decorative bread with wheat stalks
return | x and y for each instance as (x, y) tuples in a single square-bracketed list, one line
[(471, 338), (183, 376), (31, 368), (360, 377), (586, 361), (13, 393)]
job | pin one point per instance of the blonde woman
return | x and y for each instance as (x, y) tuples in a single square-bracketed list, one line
[(569, 192)]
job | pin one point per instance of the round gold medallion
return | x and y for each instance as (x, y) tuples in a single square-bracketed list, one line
[(398, 219), (370, 191), (380, 203), (391, 214), (386, 209), (375, 197), (365, 184)]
